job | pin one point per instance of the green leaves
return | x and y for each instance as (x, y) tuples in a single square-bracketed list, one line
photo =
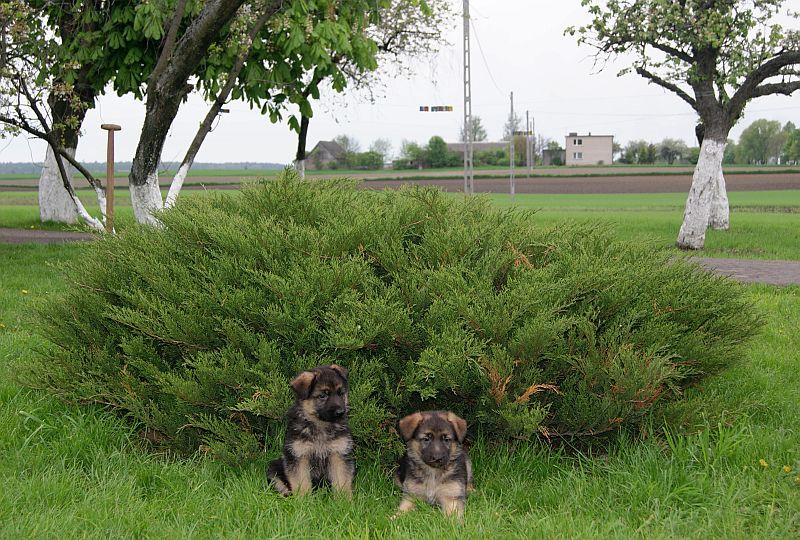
[(712, 54), (149, 19)]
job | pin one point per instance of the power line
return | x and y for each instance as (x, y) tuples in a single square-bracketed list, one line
[(485, 63)]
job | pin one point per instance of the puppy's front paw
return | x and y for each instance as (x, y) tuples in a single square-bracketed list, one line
[(406, 505)]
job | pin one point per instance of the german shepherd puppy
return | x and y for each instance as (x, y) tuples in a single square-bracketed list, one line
[(435, 466), (318, 448)]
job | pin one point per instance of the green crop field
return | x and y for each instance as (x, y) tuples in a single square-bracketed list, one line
[(728, 465)]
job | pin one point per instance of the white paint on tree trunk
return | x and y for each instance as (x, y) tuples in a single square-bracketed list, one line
[(146, 200), (177, 184), (706, 178), (300, 167), (94, 223), (55, 202), (101, 201), (720, 218)]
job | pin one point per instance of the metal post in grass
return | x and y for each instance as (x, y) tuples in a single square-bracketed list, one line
[(111, 128)]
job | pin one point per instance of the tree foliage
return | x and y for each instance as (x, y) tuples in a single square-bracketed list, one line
[(672, 150), (639, 152), (762, 142), (193, 330), (43, 96), (478, 131), (716, 55), (791, 150)]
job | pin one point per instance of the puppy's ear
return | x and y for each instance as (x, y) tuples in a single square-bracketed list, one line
[(340, 370), (302, 384), (459, 426), (408, 425)]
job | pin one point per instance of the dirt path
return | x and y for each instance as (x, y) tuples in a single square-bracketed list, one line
[(603, 184), (561, 180)]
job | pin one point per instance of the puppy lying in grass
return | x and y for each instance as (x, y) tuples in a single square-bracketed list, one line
[(435, 466), (318, 448)]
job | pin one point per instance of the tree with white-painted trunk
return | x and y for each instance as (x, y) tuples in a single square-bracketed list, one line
[(716, 55), (39, 98), (263, 69)]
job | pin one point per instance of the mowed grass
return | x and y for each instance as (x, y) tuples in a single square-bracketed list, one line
[(76, 471), (764, 224)]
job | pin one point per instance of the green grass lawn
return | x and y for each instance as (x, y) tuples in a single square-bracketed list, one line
[(764, 224), (73, 471)]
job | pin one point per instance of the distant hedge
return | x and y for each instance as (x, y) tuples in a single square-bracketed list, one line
[(193, 330)]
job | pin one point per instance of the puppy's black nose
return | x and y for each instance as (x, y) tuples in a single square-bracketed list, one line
[(338, 413)]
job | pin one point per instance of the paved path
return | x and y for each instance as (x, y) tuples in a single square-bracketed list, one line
[(755, 271), (744, 270), (33, 236)]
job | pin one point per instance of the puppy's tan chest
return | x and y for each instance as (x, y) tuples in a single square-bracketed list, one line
[(322, 447), (432, 489)]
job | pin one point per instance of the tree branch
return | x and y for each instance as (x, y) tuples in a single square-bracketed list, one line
[(770, 68), (169, 41), (672, 51), (667, 85), (222, 97), (785, 88)]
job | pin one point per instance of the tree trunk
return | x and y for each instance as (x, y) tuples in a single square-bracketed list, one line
[(143, 178), (213, 112), (705, 182), (55, 202), (720, 219), (302, 138), (166, 89)]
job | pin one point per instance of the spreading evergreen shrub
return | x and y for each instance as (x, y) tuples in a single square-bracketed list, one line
[(193, 330)]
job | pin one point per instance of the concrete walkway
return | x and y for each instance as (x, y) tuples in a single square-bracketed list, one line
[(755, 271), (34, 236), (745, 270)]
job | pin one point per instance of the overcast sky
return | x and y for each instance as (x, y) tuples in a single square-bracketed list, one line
[(518, 45)]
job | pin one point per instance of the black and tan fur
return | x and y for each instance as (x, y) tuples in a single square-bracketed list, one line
[(318, 449), (435, 467)]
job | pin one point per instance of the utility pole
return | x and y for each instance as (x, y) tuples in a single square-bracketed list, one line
[(511, 153), (469, 178), (533, 144), (528, 149)]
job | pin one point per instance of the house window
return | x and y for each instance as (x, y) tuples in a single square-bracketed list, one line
[(577, 155), (580, 142)]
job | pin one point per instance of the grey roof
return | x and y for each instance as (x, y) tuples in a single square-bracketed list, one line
[(333, 148)]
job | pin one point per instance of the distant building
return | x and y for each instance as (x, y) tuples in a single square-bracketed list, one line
[(323, 154), (458, 148), (553, 157), (589, 149)]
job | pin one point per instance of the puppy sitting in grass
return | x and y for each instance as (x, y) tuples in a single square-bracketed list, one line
[(318, 448), (435, 466)]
